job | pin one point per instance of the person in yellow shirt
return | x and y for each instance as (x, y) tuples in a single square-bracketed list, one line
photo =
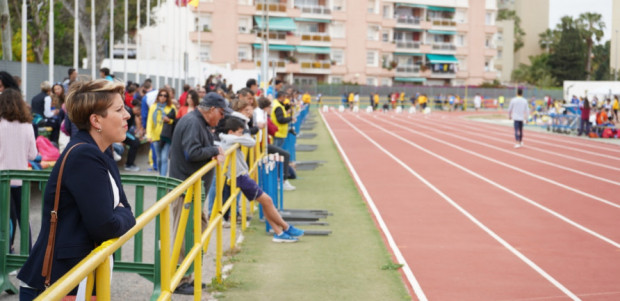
[(306, 98), (422, 100), (614, 109), (375, 101), (401, 98), (350, 99), (161, 112)]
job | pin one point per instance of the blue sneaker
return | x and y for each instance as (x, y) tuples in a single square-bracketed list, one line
[(294, 232), (283, 238)]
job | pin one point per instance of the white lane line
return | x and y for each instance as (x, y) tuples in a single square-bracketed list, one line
[(417, 289), (538, 160), (596, 153), (504, 141), (573, 140), (602, 200), (582, 173), (490, 232), (528, 200), (592, 153)]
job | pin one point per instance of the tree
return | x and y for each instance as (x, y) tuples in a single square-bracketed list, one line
[(38, 26), (506, 14), (600, 62), (7, 33), (538, 73), (591, 25), (548, 38), (567, 61)]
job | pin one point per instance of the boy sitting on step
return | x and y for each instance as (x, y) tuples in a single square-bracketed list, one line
[(233, 127)]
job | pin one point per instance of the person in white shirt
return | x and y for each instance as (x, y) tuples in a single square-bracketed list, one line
[(477, 101), (518, 111)]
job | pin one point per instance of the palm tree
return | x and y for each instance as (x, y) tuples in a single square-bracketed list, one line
[(592, 27), (548, 38)]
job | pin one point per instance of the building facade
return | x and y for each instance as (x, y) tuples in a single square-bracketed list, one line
[(533, 22), (374, 42), (614, 52)]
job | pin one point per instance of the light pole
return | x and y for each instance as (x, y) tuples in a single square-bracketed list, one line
[(617, 46)]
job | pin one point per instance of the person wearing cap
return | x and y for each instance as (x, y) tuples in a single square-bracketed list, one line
[(193, 147), (281, 118)]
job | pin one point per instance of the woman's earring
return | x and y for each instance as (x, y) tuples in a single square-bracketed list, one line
[(99, 130)]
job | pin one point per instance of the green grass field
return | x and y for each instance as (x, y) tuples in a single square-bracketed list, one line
[(352, 263)]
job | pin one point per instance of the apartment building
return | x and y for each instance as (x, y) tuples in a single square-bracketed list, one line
[(614, 60), (374, 42), (533, 22)]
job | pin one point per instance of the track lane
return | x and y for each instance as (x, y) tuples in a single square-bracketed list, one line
[(451, 257), (584, 163), (581, 213), (587, 289), (583, 146), (528, 163), (569, 238)]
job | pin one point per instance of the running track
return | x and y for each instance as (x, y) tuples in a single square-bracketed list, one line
[(472, 218)]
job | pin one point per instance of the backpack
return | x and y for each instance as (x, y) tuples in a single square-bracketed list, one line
[(608, 133), (46, 149)]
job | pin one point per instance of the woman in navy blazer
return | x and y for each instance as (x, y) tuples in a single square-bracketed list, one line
[(92, 207)]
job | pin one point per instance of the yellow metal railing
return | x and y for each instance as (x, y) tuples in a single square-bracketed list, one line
[(98, 261)]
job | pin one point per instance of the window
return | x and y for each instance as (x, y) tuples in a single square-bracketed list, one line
[(204, 22), (460, 16), (337, 30), (489, 18), (373, 33), (305, 27), (245, 25), (387, 11), (488, 42), (460, 40), (245, 2), (336, 80), (338, 56), (385, 36), (305, 3), (398, 36), (371, 58), (371, 6), (338, 5), (462, 65), (244, 53), (488, 67), (205, 52), (386, 82), (499, 54), (371, 81)]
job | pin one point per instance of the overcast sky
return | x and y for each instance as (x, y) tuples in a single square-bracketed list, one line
[(560, 8)]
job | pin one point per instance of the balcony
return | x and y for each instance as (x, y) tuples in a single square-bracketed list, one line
[(315, 66), (440, 73), (443, 46), (314, 9), (408, 45), (442, 22), (273, 35), (277, 64), (314, 36), (408, 20), (407, 70), (272, 7)]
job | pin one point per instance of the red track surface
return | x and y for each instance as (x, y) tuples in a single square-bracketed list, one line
[(472, 218)]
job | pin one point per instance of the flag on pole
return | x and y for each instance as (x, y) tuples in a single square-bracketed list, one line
[(193, 3)]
